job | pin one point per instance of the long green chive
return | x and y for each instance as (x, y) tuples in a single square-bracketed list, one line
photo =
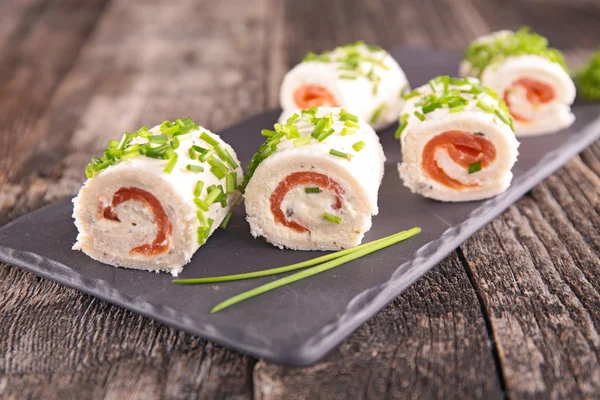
[(171, 163), (324, 135), (217, 172), (319, 127), (357, 253), (212, 196), (458, 81), (341, 154), (377, 113), (312, 190), (172, 130), (218, 164), (346, 116), (446, 81), (198, 188), (208, 139), (267, 132), (420, 116), (184, 136), (412, 94), (199, 149), (160, 139), (358, 146), (456, 109), (333, 218), (487, 108), (503, 117), (231, 182), (476, 166), (201, 217), (201, 204), (192, 153), (346, 76), (432, 85), (348, 131), (431, 107), (288, 268), (351, 124), (403, 124), (303, 141), (113, 144), (194, 168), (292, 119), (225, 156), (225, 221), (129, 156)]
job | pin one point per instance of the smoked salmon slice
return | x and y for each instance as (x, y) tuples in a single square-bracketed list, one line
[(308, 95), (537, 93)]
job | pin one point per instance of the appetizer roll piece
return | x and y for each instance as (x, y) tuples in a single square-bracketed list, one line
[(457, 141), (363, 79), (531, 78), (313, 184), (156, 196)]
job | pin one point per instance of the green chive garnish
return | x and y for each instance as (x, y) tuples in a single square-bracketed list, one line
[(487, 108), (412, 94), (351, 124), (341, 154), (346, 116), (403, 124), (507, 120), (358, 146), (319, 127), (212, 196), (159, 139), (231, 182), (474, 167), (208, 139), (292, 119), (312, 190), (199, 149), (201, 217), (377, 113), (218, 164), (194, 168), (192, 153), (356, 253), (420, 116), (348, 131), (456, 109), (431, 107), (217, 172), (225, 221), (324, 135), (346, 76), (171, 163), (198, 188), (333, 218), (267, 132), (201, 204), (303, 141)]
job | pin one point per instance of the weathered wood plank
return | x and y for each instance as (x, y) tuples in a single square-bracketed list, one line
[(430, 343)]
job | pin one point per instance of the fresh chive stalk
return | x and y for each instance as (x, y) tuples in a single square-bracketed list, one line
[(475, 167), (331, 217), (225, 221), (341, 154), (231, 182), (358, 146), (312, 190), (194, 168)]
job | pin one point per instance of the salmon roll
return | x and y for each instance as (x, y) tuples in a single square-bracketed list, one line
[(156, 196), (457, 141), (531, 77), (313, 184), (363, 79)]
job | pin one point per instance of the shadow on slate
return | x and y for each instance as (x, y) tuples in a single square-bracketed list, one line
[(299, 323)]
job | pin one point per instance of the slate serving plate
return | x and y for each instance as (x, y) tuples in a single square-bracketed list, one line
[(299, 323)]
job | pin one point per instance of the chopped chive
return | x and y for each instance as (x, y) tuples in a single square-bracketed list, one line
[(199, 149), (346, 116), (198, 188), (201, 204), (346, 76), (225, 156), (356, 253), (201, 217), (130, 155), (456, 109), (333, 218), (218, 164), (303, 141), (358, 146), (267, 132), (319, 127), (446, 81), (431, 107), (113, 143), (160, 139), (432, 85), (312, 190), (225, 221), (325, 135), (194, 168), (485, 107), (503, 117), (412, 94), (171, 163), (348, 131), (192, 153), (341, 154), (208, 139), (351, 124), (289, 268), (377, 113), (292, 119), (174, 143), (474, 167), (420, 116), (184, 136), (217, 172), (403, 124), (172, 130), (212, 196), (231, 182)]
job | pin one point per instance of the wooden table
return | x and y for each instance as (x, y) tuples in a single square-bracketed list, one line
[(513, 312)]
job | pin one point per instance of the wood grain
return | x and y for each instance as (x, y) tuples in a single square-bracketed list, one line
[(513, 313)]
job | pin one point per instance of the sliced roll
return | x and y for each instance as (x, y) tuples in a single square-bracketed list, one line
[(532, 79), (457, 141), (313, 184), (156, 196), (363, 79)]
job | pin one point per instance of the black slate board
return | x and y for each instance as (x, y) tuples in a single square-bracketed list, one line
[(300, 323)]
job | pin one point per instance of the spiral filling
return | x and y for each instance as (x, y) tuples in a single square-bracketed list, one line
[(309, 95), (536, 92)]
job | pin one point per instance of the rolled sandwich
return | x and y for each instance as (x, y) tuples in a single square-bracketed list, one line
[(457, 141), (363, 79), (313, 184), (531, 78), (156, 196)]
